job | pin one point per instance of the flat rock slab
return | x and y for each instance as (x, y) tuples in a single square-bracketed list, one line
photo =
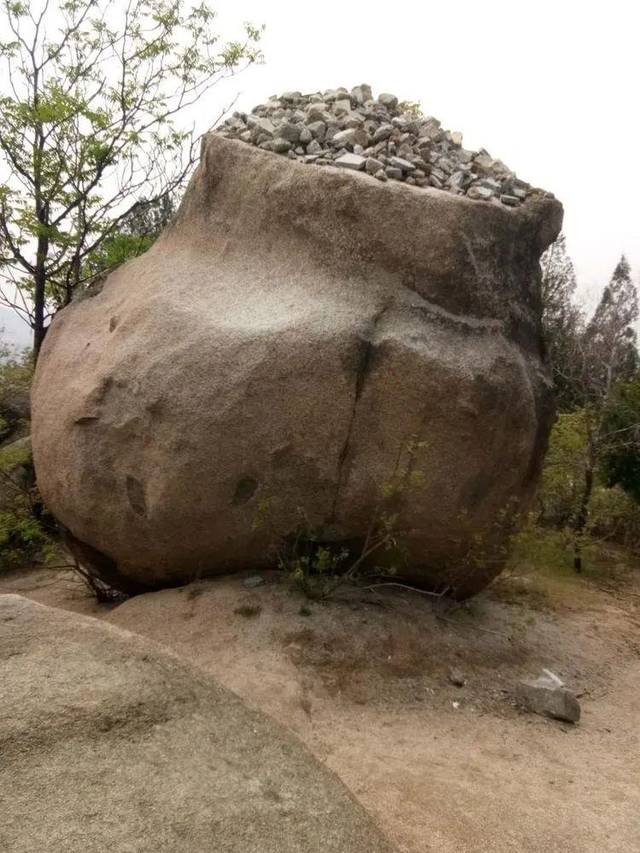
[(109, 743), (547, 696)]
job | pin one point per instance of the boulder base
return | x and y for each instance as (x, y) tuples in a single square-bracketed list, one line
[(297, 341)]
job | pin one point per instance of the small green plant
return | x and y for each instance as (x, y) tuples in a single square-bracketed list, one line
[(314, 566), (266, 504), (22, 541), (317, 563)]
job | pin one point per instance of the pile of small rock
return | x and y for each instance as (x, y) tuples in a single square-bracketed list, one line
[(383, 138)]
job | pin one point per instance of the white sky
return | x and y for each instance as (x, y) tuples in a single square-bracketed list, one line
[(551, 87)]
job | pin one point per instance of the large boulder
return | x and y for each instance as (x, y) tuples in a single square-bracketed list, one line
[(108, 743), (300, 338), (15, 408)]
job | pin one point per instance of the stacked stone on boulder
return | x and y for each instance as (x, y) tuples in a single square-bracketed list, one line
[(382, 137)]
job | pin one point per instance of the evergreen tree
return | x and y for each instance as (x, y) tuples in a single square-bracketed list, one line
[(610, 338), (561, 321)]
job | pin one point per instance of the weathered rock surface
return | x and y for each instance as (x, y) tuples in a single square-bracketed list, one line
[(108, 743), (547, 695), (289, 343)]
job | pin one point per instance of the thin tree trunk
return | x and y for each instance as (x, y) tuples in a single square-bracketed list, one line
[(39, 300), (42, 216), (73, 280)]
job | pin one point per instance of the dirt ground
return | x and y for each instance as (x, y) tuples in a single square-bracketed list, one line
[(366, 683)]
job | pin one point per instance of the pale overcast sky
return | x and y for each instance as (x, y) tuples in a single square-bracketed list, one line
[(551, 87)]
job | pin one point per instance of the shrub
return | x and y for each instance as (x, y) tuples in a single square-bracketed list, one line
[(318, 564), (621, 463), (563, 472), (16, 370), (547, 549), (26, 531), (316, 567), (615, 516)]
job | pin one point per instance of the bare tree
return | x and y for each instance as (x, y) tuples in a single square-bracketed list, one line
[(89, 130)]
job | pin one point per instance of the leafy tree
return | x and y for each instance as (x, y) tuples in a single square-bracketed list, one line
[(563, 472), (16, 369), (561, 321), (135, 234), (613, 514), (93, 91), (606, 355), (621, 461)]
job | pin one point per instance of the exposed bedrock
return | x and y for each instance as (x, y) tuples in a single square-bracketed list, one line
[(111, 743), (286, 344)]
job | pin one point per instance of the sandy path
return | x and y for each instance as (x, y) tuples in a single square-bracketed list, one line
[(467, 784), (364, 683)]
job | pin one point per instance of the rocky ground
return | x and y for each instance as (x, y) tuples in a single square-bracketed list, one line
[(386, 138), (413, 703)]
